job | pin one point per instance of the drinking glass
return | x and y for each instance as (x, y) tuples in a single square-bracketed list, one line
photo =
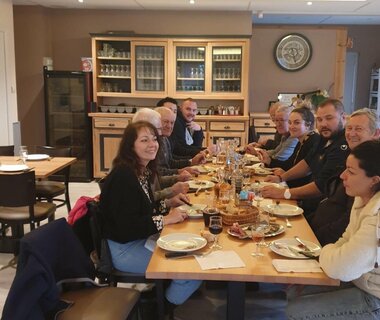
[(246, 176), (23, 153), (216, 227), (257, 235), (258, 195)]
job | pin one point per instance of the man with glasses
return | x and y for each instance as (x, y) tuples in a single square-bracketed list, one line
[(331, 218), (166, 163), (327, 160), (287, 144)]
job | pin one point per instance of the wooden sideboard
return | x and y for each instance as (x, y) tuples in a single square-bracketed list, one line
[(107, 130)]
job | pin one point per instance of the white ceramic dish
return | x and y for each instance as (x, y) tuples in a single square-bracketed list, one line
[(181, 242), (283, 210), (13, 167), (194, 211), (104, 108), (203, 184), (288, 247), (36, 157)]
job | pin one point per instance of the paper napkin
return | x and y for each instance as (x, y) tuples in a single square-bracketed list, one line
[(220, 260), (296, 265)]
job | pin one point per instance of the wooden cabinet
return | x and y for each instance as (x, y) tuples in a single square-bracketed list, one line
[(262, 125), (130, 72), (374, 92), (106, 135)]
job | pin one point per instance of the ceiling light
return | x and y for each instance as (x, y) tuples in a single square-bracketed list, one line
[(192, 1), (309, 3), (81, 1)]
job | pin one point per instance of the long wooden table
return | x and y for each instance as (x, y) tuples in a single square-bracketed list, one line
[(256, 269), (42, 168)]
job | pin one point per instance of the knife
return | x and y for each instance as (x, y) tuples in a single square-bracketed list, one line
[(177, 255), (303, 245)]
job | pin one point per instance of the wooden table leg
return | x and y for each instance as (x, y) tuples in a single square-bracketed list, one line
[(235, 300)]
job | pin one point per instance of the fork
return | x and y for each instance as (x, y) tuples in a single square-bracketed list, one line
[(197, 192), (288, 224)]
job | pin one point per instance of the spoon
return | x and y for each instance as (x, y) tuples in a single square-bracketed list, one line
[(288, 224)]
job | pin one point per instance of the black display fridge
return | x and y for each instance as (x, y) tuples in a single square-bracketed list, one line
[(68, 96)]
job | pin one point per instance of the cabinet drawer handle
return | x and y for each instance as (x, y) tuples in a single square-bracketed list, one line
[(267, 123), (111, 124), (227, 127)]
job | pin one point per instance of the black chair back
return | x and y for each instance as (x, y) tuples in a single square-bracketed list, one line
[(17, 190), (7, 150)]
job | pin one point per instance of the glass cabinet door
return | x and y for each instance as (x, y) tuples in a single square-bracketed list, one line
[(190, 68), (114, 66), (150, 68), (226, 69)]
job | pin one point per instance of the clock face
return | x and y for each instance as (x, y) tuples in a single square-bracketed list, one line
[(293, 52)]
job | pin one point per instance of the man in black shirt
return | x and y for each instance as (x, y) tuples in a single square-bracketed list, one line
[(187, 136), (326, 161)]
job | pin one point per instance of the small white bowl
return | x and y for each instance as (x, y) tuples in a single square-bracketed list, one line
[(104, 108), (112, 109), (120, 109)]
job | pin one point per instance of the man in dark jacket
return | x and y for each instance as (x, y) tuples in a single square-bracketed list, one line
[(187, 136)]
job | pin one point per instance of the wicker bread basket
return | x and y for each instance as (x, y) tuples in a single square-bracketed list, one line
[(245, 215)]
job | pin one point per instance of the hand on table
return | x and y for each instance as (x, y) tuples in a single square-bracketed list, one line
[(191, 171), (180, 187), (272, 192), (264, 156), (278, 171), (184, 175), (175, 215), (177, 200)]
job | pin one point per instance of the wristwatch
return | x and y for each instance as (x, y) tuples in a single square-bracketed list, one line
[(287, 194)]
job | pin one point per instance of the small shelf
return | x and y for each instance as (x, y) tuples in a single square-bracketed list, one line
[(191, 60), (195, 79), (114, 58), (149, 78), (150, 59), (114, 77), (227, 60), (226, 79)]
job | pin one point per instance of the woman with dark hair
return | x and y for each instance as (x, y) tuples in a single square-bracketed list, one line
[(354, 258), (301, 126), (130, 214)]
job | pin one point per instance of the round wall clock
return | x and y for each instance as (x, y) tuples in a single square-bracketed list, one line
[(292, 52)]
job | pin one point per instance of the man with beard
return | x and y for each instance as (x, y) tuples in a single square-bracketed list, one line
[(326, 161), (187, 136), (331, 218)]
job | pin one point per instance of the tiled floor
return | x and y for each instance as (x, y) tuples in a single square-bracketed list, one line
[(208, 304)]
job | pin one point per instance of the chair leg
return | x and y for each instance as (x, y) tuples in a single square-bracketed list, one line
[(67, 197)]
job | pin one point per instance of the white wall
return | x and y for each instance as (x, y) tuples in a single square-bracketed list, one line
[(8, 97)]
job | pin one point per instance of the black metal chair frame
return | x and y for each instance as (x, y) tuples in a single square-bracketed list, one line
[(106, 272), (7, 150), (62, 175)]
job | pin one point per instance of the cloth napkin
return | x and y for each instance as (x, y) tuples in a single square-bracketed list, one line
[(296, 265), (220, 260)]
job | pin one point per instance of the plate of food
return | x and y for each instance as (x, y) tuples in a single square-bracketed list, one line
[(37, 157), (203, 184), (193, 211), (243, 231), (13, 167), (283, 210), (291, 248), (181, 242)]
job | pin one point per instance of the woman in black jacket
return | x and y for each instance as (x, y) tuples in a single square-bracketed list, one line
[(128, 208)]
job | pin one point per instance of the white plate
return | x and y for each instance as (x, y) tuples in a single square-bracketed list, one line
[(262, 172), (283, 210), (13, 167), (251, 157), (35, 157), (288, 248), (203, 184), (181, 242), (194, 211), (272, 184)]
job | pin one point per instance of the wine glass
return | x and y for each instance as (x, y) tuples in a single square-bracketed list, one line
[(257, 235), (258, 194), (216, 227)]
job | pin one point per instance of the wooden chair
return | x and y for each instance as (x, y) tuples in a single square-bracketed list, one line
[(7, 150), (105, 269), (18, 207), (54, 279), (57, 184)]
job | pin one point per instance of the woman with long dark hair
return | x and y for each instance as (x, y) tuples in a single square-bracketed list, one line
[(128, 208)]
